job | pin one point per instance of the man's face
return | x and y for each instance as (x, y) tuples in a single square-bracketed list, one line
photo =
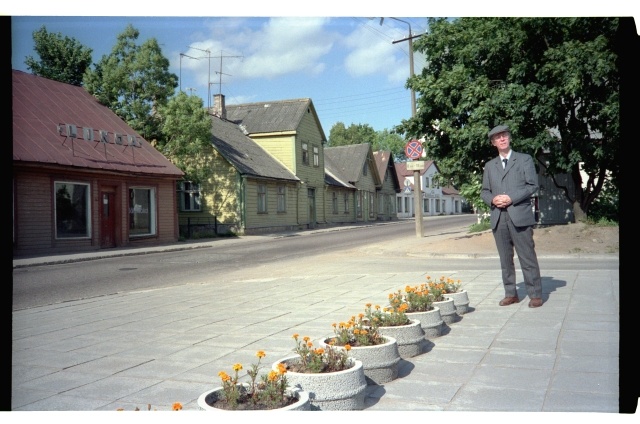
[(501, 140)]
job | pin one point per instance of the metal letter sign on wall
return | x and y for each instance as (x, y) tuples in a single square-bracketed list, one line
[(413, 149)]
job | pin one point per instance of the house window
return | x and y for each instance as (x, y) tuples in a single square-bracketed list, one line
[(426, 205), (426, 182), (437, 206), (316, 156), (262, 198), (346, 203), (372, 200), (399, 203), (305, 153), (72, 210), (282, 198), (334, 202), (365, 168), (359, 204), (189, 196), (142, 211), (407, 209)]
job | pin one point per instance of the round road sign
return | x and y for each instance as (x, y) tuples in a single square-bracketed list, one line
[(413, 149)]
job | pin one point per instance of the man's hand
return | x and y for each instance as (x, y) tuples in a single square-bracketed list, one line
[(501, 200)]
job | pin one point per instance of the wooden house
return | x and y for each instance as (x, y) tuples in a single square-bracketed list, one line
[(355, 164), (82, 178)]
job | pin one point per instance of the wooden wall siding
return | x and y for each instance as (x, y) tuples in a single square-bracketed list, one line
[(272, 219), (386, 194), (34, 210), (341, 217), (219, 195), (282, 147)]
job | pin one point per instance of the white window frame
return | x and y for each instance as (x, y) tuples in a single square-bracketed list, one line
[(189, 193), (316, 156)]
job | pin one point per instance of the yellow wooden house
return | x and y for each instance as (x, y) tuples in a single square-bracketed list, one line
[(267, 163)]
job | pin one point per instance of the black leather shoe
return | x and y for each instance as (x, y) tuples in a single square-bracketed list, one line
[(509, 301)]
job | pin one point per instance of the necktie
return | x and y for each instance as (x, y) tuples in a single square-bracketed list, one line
[(505, 163)]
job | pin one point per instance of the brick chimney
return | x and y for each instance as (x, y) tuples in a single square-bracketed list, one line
[(219, 109)]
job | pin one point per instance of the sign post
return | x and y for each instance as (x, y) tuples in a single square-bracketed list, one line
[(413, 150)]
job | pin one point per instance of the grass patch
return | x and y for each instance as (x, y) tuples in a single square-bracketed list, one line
[(482, 226)]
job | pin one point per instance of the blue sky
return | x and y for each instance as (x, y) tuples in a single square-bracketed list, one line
[(348, 65)]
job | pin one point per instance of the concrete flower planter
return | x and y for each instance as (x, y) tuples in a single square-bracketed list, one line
[(380, 362), (208, 399), (430, 321), (460, 300), (410, 338), (331, 391), (447, 311)]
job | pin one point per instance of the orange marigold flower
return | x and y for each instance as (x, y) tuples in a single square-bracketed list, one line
[(273, 375), (334, 325), (261, 354), (176, 406), (282, 368), (377, 307), (237, 367), (295, 336), (368, 305), (347, 347), (306, 338), (319, 351), (361, 315), (309, 344)]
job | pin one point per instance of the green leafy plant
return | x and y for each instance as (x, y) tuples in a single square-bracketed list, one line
[(436, 289), (360, 330), (268, 392), (417, 298), (315, 360), (451, 285), (391, 316)]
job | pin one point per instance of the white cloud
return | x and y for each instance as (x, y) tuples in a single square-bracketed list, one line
[(372, 53)]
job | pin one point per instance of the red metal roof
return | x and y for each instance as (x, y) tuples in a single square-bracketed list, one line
[(41, 106)]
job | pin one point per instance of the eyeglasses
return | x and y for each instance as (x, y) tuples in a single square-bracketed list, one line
[(500, 136)]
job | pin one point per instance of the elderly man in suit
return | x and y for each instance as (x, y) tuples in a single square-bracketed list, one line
[(508, 182)]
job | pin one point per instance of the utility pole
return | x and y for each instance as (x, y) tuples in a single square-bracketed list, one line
[(417, 185)]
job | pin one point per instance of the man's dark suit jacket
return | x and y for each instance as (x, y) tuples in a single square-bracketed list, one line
[(519, 180)]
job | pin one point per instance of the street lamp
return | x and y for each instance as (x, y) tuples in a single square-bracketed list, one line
[(410, 39), (190, 57)]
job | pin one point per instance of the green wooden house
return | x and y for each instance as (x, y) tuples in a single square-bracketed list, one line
[(354, 164)]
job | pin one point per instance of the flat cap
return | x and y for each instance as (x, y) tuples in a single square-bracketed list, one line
[(498, 129)]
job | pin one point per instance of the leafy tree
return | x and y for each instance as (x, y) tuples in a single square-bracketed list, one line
[(62, 58), (134, 81), (386, 140), (186, 130), (554, 81), (364, 133), (355, 134)]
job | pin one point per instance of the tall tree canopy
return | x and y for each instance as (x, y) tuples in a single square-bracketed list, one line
[(364, 133), (554, 81), (62, 58), (134, 81), (186, 129)]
